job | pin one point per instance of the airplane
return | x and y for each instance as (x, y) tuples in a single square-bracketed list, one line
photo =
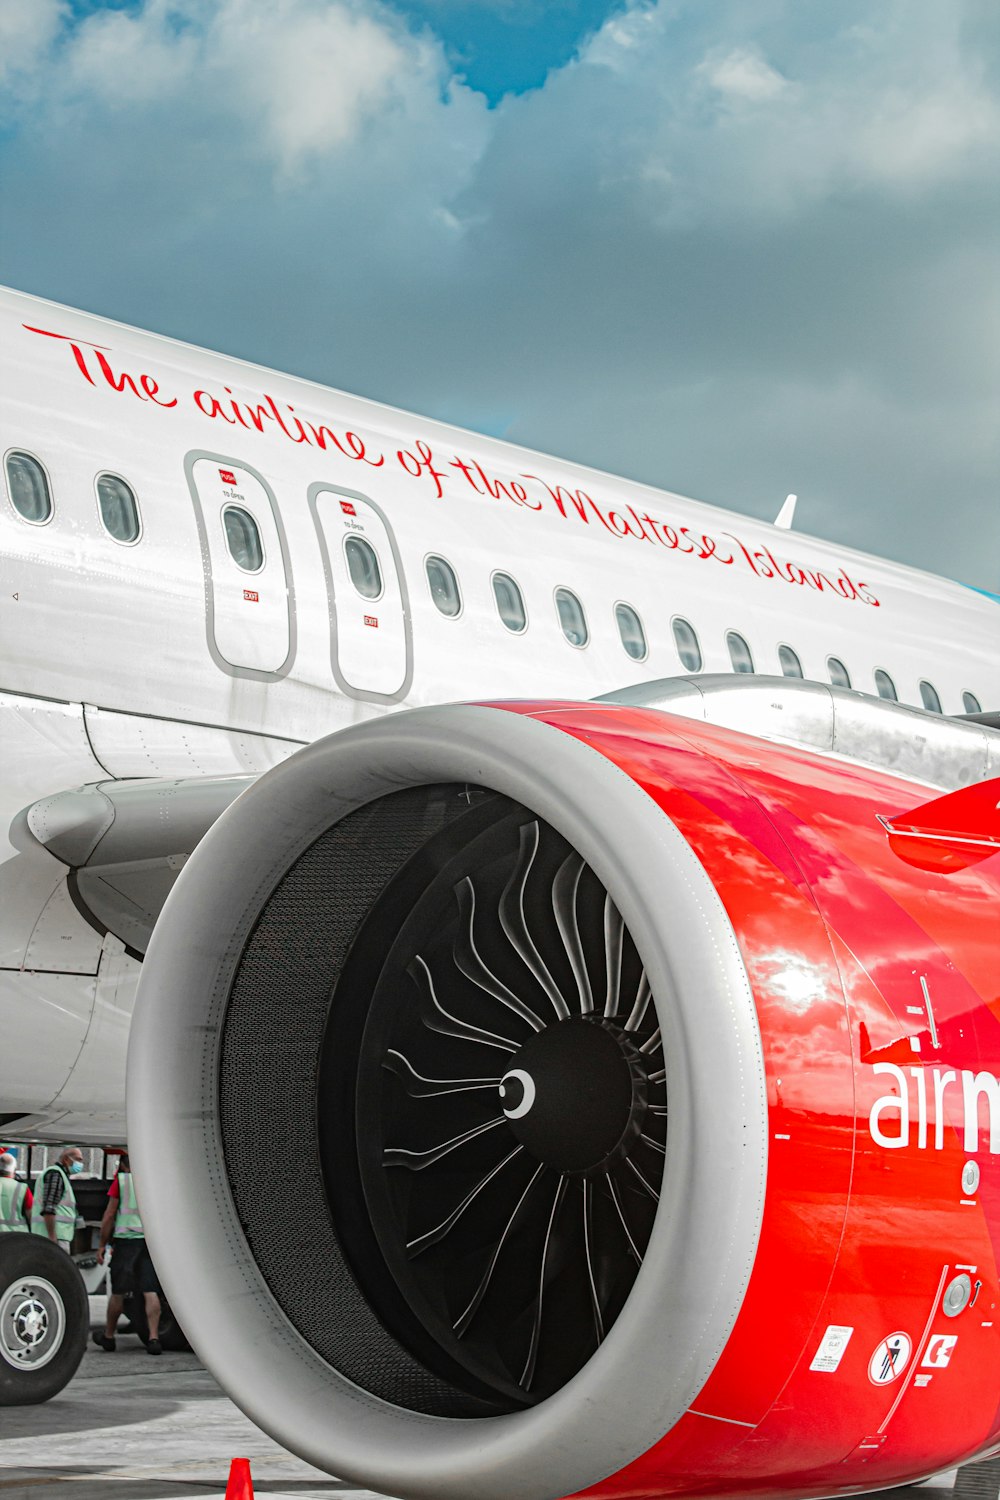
[(589, 894)]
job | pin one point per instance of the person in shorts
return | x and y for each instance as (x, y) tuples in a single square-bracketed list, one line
[(131, 1266)]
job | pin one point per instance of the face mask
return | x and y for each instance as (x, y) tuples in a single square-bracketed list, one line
[(75, 1166)]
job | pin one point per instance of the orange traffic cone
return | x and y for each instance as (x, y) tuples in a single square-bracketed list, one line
[(240, 1486)]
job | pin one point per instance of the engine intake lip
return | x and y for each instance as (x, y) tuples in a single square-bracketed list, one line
[(687, 1295)]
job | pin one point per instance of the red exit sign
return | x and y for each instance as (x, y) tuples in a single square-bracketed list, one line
[(372, 620), (252, 595)]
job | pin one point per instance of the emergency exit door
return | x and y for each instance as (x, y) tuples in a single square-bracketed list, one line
[(248, 588), (371, 648)]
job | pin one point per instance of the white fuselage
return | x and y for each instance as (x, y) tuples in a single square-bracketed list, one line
[(162, 656)]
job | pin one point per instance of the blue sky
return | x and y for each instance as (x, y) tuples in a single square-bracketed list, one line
[(510, 48), (501, 49), (733, 248)]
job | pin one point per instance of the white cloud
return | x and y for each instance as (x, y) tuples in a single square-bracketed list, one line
[(744, 74), (313, 72), (27, 30), (301, 78), (908, 141), (127, 59), (767, 128), (304, 79), (628, 32)]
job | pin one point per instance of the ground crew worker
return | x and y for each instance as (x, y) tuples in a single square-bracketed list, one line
[(54, 1210), (15, 1198), (131, 1266)]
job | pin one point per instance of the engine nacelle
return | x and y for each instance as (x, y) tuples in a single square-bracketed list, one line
[(643, 1107)]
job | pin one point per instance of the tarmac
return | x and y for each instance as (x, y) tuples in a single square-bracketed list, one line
[(133, 1427)]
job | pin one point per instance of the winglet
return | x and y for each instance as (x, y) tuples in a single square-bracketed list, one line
[(949, 833), (786, 514)]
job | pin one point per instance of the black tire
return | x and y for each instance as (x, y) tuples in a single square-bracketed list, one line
[(171, 1333), (44, 1319)]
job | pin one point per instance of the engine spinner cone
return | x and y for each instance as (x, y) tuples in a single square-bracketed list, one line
[(576, 1096)]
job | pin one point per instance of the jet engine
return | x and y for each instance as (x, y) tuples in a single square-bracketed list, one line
[(529, 1099)]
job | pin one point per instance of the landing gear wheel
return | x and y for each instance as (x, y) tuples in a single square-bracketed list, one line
[(43, 1319)]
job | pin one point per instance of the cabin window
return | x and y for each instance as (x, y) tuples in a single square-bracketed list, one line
[(444, 587), (971, 703), (739, 652), (28, 488), (119, 508), (510, 605), (686, 641), (243, 539), (633, 637), (362, 564), (789, 662), (839, 675), (885, 687), (572, 620), (929, 697)]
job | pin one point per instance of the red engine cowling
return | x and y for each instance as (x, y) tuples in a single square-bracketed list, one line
[(642, 1104)]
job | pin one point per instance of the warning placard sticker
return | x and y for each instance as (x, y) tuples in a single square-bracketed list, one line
[(890, 1359), (937, 1355), (831, 1348)]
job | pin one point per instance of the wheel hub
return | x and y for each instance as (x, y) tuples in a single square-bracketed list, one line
[(32, 1323)]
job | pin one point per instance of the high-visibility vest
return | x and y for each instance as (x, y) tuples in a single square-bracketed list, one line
[(128, 1225), (12, 1195), (65, 1209)]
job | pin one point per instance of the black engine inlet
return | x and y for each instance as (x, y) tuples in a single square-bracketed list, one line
[(493, 1113)]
